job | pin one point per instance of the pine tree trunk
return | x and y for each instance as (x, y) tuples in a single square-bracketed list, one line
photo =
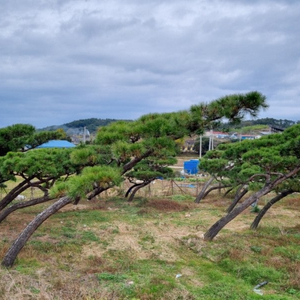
[(202, 193), (19, 243), (21, 187), (264, 210), (136, 189), (16, 206), (214, 229), (228, 191), (216, 187), (130, 189), (238, 196)]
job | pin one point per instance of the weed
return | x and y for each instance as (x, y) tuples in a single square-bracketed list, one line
[(34, 290), (45, 247), (111, 277), (148, 238), (255, 209), (89, 236), (252, 273), (27, 266), (183, 198), (256, 249), (291, 251)]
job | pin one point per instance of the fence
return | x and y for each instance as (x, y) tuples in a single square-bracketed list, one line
[(159, 188)]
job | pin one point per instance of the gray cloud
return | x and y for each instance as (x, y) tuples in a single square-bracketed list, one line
[(67, 60)]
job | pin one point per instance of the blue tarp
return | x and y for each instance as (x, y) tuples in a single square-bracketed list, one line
[(57, 144)]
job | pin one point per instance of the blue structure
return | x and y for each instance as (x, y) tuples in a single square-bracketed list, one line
[(191, 166), (56, 144)]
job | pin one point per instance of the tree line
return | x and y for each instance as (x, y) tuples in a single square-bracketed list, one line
[(91, 124)]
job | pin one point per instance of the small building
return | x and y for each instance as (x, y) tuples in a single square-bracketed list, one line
[(56, 144), (242, 137), (217, 134), (248, 137)]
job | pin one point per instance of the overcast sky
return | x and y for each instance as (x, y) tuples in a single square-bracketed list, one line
[(66, 60)]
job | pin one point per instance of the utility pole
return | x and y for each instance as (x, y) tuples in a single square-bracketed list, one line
[(84, 134), (210, 145), (200, 146)]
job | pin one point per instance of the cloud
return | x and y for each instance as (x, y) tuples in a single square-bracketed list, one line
[(66, 60)]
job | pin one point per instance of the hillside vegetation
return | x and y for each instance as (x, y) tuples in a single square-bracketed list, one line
[(91, 125)]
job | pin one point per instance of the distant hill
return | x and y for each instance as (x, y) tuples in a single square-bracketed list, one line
[(75, 127), (283, 123), (280, 124)]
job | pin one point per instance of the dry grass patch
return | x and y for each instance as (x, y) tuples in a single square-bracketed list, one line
[(166, 205)]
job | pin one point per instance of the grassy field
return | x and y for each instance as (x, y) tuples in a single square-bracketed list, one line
[(154, 249)]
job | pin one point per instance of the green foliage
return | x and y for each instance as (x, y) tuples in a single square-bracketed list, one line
[(90, 178), (119, 131), (166, 124), (122, 151), (270, 155), (233, 107), (20, 137), (255, 209), (91, 155), (38, 163), (59, 189), (14, 138)]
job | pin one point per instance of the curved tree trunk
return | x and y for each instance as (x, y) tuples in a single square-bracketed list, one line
[(136, 189), (21, 187), (238, 196), (19, 243), (94, 193), (133, 162), (228, 191), (216, 187), (19, 205), (214, 229), (201, 194), (264, 210), (131, 188)]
